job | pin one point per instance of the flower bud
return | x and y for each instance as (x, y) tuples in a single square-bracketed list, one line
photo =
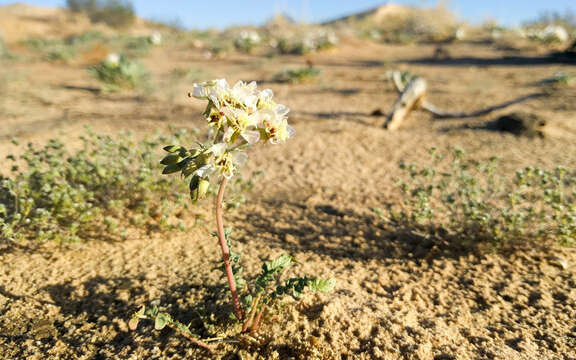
[(198, 188)]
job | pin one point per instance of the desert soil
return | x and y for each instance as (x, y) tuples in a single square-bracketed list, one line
[(395, 298)]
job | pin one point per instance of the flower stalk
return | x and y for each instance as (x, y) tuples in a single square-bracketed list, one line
[(226, 251)]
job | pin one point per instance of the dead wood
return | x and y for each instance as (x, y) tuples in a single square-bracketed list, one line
[(410, 98), (401, 110)]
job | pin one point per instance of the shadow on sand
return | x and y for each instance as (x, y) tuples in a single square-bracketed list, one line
[(493, 61)]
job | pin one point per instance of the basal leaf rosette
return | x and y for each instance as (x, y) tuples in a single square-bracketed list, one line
[(239, 117)]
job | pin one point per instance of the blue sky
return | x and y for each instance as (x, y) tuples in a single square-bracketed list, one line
[(222, 13)]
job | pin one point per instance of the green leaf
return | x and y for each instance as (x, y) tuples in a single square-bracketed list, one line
[(321, 285), (269, 270), (172, 168), (171, 159), (278, 264), (161, 321), (173, 148), (133, 323)]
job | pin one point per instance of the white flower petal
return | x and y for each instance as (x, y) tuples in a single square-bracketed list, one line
[(291, 131), (228, 135), (266, 94), (240, 158), (218, 149), (251, 136), (281, 110), (204, 171)]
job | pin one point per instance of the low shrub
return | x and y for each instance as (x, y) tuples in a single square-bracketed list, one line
[(298, 75), (58, 194), (304, 42), (119, 72), (4, 52), (247, 40), (52, 50), (470, 204), (116, 13)]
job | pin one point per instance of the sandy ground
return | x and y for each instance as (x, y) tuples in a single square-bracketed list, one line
[(394, 298)]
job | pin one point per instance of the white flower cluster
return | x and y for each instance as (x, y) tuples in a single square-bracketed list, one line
[(303, 42), (239, 116), (249, 35), (155, 38), (247, 40), (550, 34), (112, 60)]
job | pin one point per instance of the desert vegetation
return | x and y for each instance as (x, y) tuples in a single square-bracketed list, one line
[(151, 209)]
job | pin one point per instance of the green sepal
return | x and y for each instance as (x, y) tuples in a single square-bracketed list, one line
[(172, 168), (173, 148), (171, 159)]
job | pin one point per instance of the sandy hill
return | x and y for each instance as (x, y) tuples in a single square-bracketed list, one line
[(20, 21), (377, 14)]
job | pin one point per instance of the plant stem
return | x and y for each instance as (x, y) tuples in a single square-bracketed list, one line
[(256, 323), (253, 310), (226, 252), (193, 339)]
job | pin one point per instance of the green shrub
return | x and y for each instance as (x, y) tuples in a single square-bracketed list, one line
[(471, 205), (52, 50), (85, 38), (4, 52), (135, 46), (57, 194), (560, 79), (306, 42), (247, 41), (298, 75), (118, 72), (116, 13)]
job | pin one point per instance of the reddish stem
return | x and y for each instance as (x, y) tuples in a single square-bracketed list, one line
[(195, 341), (226, 252)]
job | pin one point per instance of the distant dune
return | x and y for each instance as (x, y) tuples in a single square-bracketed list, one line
[(21, 21), (377, 14)]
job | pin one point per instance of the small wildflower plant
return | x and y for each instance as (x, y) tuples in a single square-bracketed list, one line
[(118, 72), (247, 41), (239, 117)]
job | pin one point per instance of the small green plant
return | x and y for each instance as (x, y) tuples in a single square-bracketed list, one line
[(4, 52), (54, 193), (192, 74), (52, 50), (118, 72), (239, 117), (561, 79), (247, 41), (296, 76), (470, 204), (134, 47), (305, 42)]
